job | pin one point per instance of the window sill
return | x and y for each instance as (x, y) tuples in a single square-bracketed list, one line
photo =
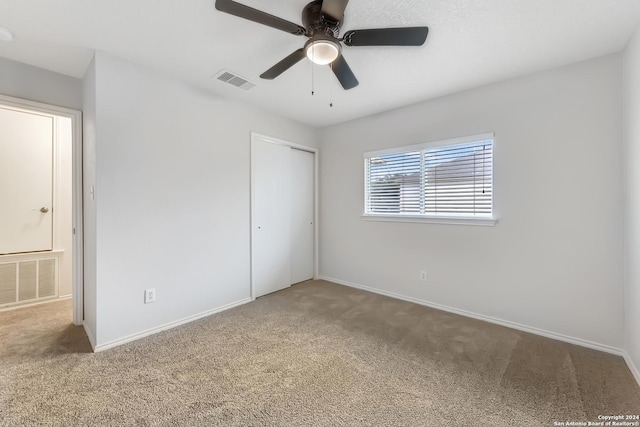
[(449, 220)]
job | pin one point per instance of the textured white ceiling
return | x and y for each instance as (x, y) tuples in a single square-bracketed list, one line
[(471, 42)]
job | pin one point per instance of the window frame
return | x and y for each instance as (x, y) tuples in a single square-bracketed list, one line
[(425, 218)]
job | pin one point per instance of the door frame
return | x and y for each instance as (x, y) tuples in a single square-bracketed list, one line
[(255, 137), (76, 150)]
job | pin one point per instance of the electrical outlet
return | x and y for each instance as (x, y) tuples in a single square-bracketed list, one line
[(423, 276), (149, 295)]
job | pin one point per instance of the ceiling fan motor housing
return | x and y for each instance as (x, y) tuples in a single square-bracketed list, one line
[(316, 23)]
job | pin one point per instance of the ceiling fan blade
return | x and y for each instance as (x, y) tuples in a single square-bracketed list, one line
[(344, 74), (334, 9), (283, 65), (409, 36), (255, 15)]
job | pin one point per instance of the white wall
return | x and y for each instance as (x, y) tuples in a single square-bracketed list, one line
[(554, 259), (632, 198), (63, 211), (172, 197), (90, 293), (35, 84)]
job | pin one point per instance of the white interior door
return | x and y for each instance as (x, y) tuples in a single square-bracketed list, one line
[(26, 181), (302, 214), (271, 217)]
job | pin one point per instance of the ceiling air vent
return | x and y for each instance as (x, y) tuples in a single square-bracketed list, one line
[(234, 79)]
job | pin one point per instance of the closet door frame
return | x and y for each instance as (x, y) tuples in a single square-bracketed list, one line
[(255, 137)]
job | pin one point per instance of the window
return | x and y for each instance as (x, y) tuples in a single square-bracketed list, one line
[(444, 180)]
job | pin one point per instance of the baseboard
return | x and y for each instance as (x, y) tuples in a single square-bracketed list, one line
[(33, 304), (92, 339), (166, 326), (632, 367), (490, 319)]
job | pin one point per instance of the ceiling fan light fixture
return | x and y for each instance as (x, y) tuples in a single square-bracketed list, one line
[(322, 51)]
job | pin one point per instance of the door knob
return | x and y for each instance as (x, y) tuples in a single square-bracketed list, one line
[(44, 209)]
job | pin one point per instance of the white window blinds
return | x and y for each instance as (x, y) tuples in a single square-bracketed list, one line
[(448, 179)]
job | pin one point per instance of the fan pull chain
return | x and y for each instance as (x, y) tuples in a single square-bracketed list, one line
[(331, 86), (313, 53)]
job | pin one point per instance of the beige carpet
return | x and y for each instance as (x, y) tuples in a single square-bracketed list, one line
[(317, 354)]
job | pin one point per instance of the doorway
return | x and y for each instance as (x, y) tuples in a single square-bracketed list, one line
[(40, 205), (283, 214)]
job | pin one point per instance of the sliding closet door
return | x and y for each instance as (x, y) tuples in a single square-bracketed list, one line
[(302, 214), (271, 217)]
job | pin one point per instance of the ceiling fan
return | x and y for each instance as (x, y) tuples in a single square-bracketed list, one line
[(322, 20)]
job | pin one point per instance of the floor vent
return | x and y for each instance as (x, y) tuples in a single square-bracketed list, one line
[(28, 281), (234, 79)]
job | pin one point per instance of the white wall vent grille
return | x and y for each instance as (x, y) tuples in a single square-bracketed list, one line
[(28, 281), (8, 277), (234, 79), (47, 278)]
